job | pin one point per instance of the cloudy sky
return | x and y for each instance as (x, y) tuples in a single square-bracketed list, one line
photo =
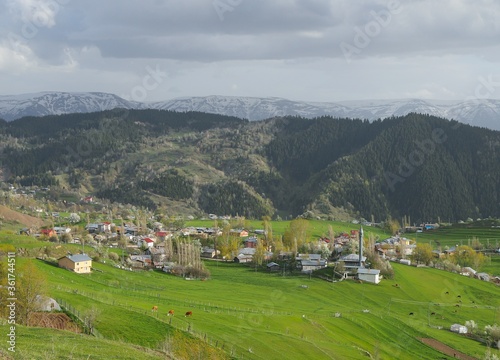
[(315, 50)]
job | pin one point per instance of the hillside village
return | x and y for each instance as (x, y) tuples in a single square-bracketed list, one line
[(157, 246), (149, 240), (135, 241)]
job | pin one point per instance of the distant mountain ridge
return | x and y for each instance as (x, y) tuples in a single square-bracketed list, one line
[(480, 112)]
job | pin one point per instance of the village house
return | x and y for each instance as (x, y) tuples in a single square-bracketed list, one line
[(145, 242), (239, 232), (141, 261), (48, 232), (308, 266), (251, 242), (209, 253), (80, 263), (244, 255), (307, 263), (352, 262), (60, 230)]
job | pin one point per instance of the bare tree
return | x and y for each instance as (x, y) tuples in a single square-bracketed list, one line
[(31, 286)]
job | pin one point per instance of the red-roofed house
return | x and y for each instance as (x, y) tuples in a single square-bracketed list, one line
[(162, 235), (48, 232), (146, 242)]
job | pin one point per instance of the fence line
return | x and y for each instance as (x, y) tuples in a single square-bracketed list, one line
[(69, 308)]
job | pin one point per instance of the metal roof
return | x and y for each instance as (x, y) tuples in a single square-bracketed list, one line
[(79, 257)]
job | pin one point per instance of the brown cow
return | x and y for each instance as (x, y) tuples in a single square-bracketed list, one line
[(155, 308), (189, 313), (170, 313)]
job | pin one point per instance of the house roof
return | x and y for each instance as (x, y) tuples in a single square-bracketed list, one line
[(247, 251), (368, 271), (148, 240), (313, 262), (79, 257), (353, 257)]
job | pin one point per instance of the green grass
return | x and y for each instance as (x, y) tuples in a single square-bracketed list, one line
[(257, 315), (493, 266), (263, 316), (452, 236), (49, 344), (316, 228)]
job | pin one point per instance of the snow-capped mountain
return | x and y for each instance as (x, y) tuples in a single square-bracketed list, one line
[(54, 103), (481, 112), (485, 113)]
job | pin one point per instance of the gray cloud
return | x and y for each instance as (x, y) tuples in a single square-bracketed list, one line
[(457, 40)]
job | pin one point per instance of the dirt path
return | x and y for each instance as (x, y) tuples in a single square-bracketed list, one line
[(445, 349)]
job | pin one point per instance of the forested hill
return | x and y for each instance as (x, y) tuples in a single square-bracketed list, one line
[(416, 165)]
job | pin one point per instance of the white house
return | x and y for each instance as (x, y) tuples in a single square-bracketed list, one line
[(369, 275), (62, 230), (459, 329)]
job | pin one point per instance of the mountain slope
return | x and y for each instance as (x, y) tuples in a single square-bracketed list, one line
[(479, 112), (417, 165), (55, 103)]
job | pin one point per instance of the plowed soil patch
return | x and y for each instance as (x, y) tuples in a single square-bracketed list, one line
[(59, 321), (445, 349)]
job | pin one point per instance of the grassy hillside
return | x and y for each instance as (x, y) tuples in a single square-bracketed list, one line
[(256, 315), (48, 344), (452, 236)]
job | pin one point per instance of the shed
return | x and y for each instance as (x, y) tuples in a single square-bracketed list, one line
[(272, 266), (369, 275)]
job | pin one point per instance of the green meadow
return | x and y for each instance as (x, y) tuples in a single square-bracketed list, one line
[(315, 229), (242, 313), (250, 314), (453, 236)]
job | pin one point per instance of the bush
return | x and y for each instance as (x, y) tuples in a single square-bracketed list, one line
[(492, 334)]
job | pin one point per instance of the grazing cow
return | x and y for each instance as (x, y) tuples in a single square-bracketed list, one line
[(189, 313), (170, 313), (155, 308), (447, 293), (433, 313), (410, 313), (457, 305), (459, 296)]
